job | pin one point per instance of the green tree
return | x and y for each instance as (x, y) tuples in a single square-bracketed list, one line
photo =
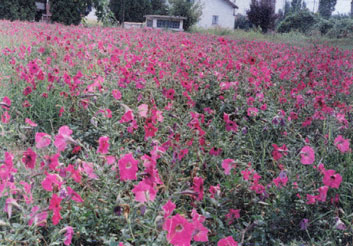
[(71, 12), (297, 5), (130, 10), (192, 10), (159, 7), (262, 14), (24, 10), (68, 12), (326, 7)]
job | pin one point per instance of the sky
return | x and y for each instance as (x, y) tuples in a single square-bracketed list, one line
[(342, 6)]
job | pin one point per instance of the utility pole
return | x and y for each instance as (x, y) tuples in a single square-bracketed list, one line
[(352, 9)]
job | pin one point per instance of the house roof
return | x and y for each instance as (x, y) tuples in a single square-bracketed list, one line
[(232, 3), (165, 17)]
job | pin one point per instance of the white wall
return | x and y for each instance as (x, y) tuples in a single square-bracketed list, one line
[(222, 9)]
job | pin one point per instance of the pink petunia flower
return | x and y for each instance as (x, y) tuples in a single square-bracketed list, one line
[(68, 235), (128, 167), (103, 145), (54, 205), (5, 117), (179, 230), (62, 138), (227, 165), (31, 123), (29, 158), (331, 178), (342, 144), (144, 191), (42, 140), (227, 241), (38, 218), (116, 94), (50, 181), (200, 231), (198, 188), (143, 110), (307, 155), (168, 208)]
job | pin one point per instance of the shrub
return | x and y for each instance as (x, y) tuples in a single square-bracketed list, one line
[(242, 22), (324, 26), (341, 29), (301, 21)]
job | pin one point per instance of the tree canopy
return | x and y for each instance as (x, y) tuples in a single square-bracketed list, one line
[(24, 10), (326, 7)]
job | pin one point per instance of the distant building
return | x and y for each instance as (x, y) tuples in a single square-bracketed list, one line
[(217, 13), (174, 23)]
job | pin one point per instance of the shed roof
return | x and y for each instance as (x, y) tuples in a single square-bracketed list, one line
[(165, 17)]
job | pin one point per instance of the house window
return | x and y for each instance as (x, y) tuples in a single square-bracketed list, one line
[(149, 23), (215, 20), (168, 24)]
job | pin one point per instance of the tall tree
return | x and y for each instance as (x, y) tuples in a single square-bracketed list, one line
[(297, 5), (326, 7), (192, 10), (130, 10), (71, 12), (159, 7), (17, 10), (262, 14)]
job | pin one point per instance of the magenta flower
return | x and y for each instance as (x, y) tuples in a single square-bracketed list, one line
[(103, 145), (227, 241), (180, 231), (68, 235), (227, 165), (54, 205), (342, 144), (116, 94), (42, 140), (50, 181), (198, 187), (144, 191), (5, 117), (168, 208), (88, 169), (143, 110), (322, 193), (31, 123), (128, 167), (331, 178), (200, 231), (307, 155), (232, 214), (62, 138), (29, 158), (38, 218)]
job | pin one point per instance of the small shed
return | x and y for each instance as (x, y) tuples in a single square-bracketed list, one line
[(174, 23)]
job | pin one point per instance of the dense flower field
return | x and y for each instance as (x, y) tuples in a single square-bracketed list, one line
[(143, 137)]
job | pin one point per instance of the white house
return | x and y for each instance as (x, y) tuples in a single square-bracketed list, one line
[(217, 13)]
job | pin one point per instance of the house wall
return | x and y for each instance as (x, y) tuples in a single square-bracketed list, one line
[(220, 8)]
